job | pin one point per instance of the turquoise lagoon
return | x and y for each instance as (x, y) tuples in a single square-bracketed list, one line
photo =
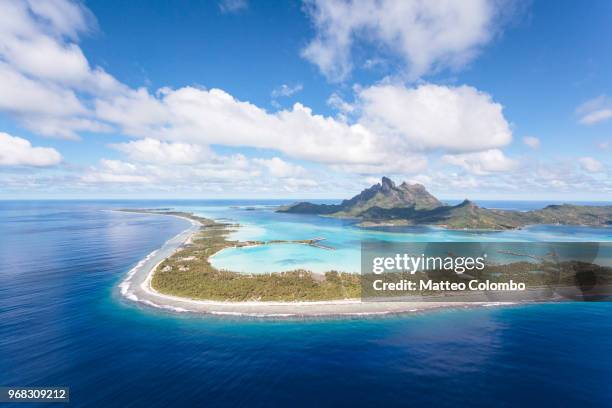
[(261, 222)]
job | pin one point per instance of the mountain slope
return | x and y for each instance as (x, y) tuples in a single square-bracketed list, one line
[(411, 204), (382, 195)]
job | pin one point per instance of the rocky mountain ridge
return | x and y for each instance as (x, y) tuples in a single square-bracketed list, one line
[(385, 204)]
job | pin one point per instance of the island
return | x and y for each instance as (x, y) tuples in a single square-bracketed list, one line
[(188, 272), (387, 204), (180, 277)]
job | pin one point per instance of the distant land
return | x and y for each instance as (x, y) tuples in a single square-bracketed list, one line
[(181, 277), (387, 204)]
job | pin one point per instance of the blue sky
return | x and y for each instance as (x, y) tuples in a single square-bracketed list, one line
[(484, 99)]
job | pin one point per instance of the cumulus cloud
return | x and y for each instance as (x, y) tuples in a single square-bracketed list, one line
[(223, 174), (396, 164), (42, 69), (277, 167), (590, 164), (38, 39), (393, 123), (16, 151), (390, 127), (154, 151), (213, 116), (370, 180), (36, 35), (117, 171), (23, 95), (162, 175), (562, 176), (595, 110), (458, 119), (64, 127), (51, 88), (532, 142), (427, 35), (482, 163), (554, 179), (294, 184), (337, 102)]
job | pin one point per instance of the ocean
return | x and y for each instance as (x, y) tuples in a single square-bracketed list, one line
[(64, 323)]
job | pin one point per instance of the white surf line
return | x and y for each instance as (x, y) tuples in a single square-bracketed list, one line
[(129, 284), (137, 287)]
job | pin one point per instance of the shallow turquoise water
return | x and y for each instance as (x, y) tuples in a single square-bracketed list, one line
[(264, 224)]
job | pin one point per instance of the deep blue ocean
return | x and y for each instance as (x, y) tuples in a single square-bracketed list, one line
[(63, 323)]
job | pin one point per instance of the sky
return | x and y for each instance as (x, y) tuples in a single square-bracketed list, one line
[(486, 99)]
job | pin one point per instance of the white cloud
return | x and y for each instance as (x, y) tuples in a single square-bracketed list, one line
[(154, 151), (396, 122), (391, 125), (111, 178), (374, 63), (555, 179), (590, 164), (295, 184), (386, 129), (61, 18), (24, 96), (37, 39), (120, 172), (595, 110), (45, 57), (201, 116), (395, 164), (599, 115), (234, 169), (137, 111), (286, 90), (43, 73), (16, 151), (208, 117), (233, 6), (562, 176), (457, 119), (277, 167), (223, 174), (427, 34), (337, 102), (481, 163), (532, 142), (370, 180), (445, 181), (63, 127)]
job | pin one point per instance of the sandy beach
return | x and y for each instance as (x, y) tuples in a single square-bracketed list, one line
[(137, 287)]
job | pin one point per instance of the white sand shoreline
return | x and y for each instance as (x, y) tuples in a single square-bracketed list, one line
[(137, 287)]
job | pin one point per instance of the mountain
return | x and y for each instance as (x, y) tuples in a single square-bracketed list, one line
[(385, 195), (411, 204)]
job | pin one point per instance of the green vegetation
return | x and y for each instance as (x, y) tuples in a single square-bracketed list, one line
[(385, 204), (188, 273)]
